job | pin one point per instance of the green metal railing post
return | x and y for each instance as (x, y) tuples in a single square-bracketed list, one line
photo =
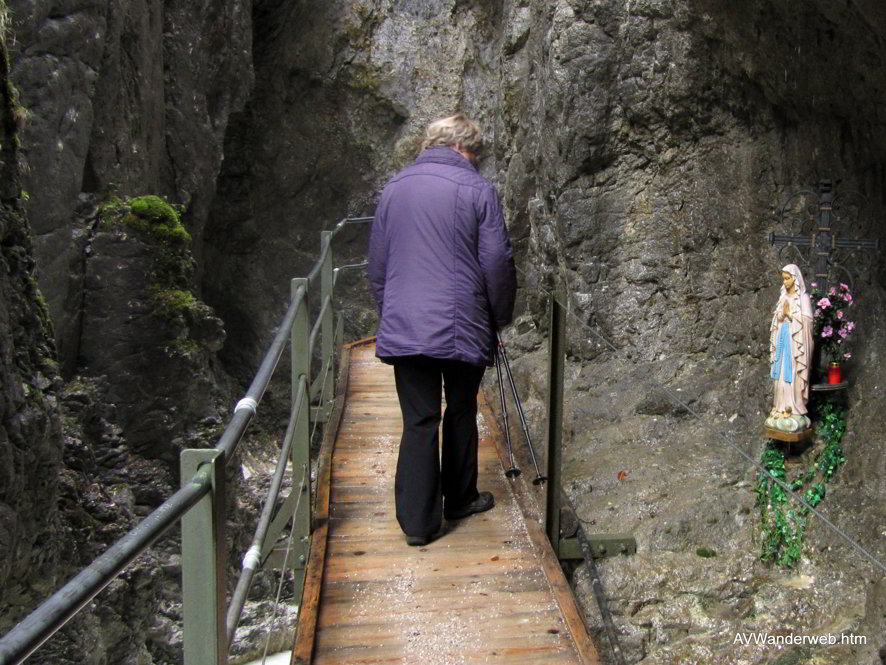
[(299, 334), (301, 445), (203, 563), (327, 330), (556, 360), (577, 545)]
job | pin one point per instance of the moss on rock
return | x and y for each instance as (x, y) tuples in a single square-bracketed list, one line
[(151, 215), (158, 224), (173, 304), (158, 218)]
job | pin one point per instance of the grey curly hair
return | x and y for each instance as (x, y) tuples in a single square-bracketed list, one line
[(456, 130)]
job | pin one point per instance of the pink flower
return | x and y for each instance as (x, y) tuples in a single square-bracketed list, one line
[(827, 331), (850, 325), (843, 333), (814, 285), (847, 355), (824, 303), (817, 313), (847, 297), (840, 314), (843, 286), (832, 292)]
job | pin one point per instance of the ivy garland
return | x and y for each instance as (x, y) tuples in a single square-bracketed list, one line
[(784, 528)]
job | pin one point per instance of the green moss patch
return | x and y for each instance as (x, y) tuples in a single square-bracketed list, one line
[(175, 303), (156, 217), (151, 215), (158, 224)]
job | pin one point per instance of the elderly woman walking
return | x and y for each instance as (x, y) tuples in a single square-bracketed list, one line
[(442, 272)]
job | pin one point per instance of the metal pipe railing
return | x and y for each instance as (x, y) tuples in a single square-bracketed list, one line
[(325, 246), (249, 403), (349, 220), (253, 558), (317, 325), (41, 624)]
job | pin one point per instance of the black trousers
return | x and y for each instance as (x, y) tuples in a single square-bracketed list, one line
[(425, 478)]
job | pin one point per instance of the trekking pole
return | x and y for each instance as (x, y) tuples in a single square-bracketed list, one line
[(539, 479), (513, 472)]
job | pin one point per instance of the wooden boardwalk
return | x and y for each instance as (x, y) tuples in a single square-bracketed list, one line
[(489, 591)]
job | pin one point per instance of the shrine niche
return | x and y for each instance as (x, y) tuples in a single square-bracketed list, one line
[(824, 233), (811, 323)]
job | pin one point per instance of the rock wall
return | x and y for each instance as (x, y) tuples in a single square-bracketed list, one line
[(666, 136), (115, 100), (126, 97), (144, 331), (30, 432)]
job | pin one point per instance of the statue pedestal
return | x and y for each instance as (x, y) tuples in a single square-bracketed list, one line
[(791, 437)]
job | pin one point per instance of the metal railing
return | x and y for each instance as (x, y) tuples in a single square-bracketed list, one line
[(574, 545), (200, 502)]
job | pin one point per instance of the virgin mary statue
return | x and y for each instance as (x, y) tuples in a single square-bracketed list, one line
[(790, 346)]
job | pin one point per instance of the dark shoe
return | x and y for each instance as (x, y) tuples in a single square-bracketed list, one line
[(481, 504), (420, 541)]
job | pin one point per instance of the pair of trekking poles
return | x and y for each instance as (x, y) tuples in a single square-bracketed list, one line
[(501, 359)]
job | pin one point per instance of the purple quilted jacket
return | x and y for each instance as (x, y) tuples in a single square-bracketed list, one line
[(440, 261)]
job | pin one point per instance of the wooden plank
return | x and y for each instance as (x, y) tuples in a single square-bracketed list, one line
[(450, 648), (450, 563), (479, 594), (562, 591), (310, 601), (511, 598), (523, 628)]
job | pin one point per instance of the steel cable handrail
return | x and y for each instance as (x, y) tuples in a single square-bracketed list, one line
[(51, 615)]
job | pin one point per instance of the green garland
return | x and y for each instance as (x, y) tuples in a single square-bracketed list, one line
[(784, 528)]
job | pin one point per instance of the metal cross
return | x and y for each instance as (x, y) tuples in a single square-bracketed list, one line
[(823, 241)]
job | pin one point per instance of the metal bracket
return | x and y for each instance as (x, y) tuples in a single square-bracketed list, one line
[(278, 559), (602, 545), (320, 414)]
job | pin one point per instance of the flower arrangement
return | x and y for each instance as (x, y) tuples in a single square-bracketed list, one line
[(832, 325)]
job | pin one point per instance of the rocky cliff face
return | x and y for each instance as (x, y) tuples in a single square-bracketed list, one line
[(104, 123), (125, 97), (30, 433), (642, 149)]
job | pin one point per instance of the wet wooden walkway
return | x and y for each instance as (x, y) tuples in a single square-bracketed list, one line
[(489, 591)]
